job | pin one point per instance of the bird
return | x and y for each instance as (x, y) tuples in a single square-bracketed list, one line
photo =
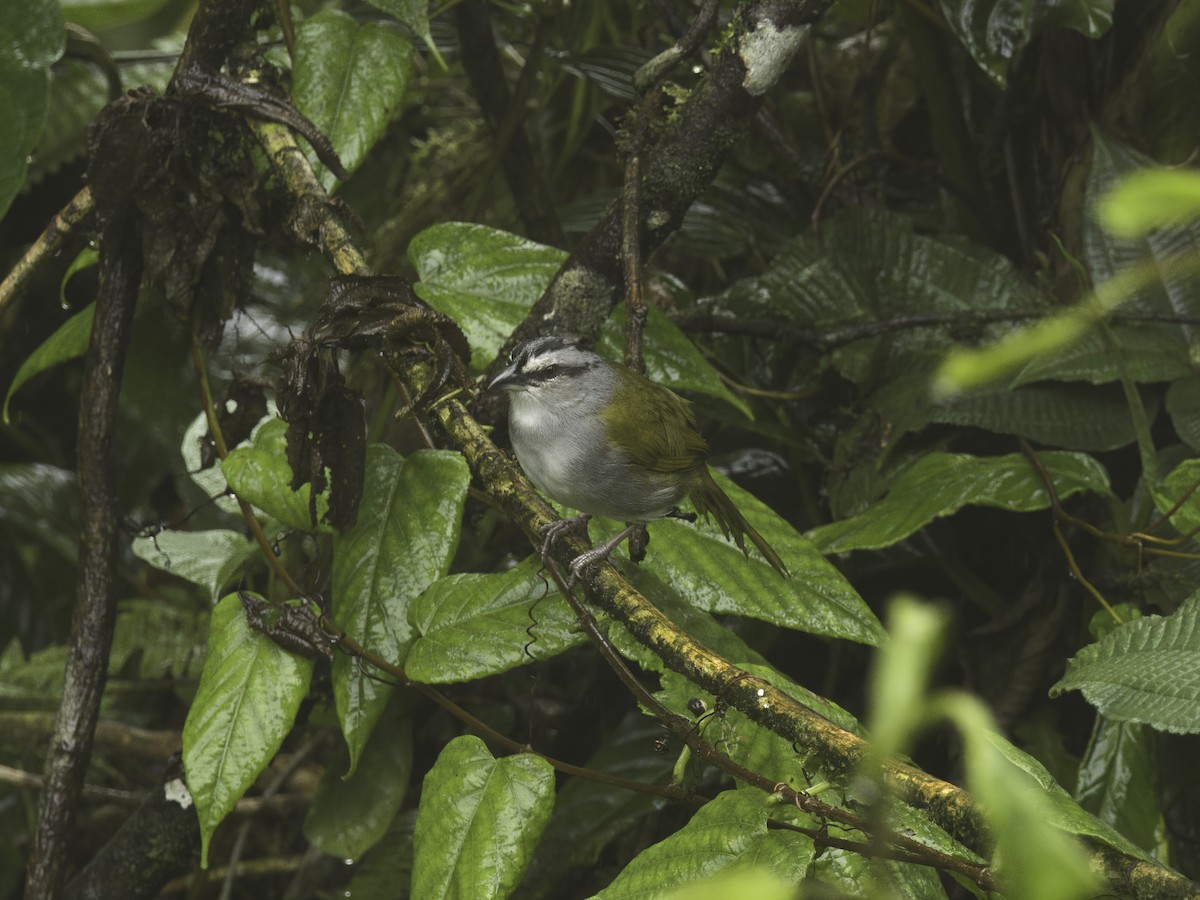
[(606, 441)]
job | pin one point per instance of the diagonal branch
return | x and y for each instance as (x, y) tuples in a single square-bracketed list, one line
[(837, 751)]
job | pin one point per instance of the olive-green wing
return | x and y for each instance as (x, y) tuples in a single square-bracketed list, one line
[(656, 427)]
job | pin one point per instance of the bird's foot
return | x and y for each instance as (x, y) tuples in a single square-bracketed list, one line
[(560, 527), (586, 564)]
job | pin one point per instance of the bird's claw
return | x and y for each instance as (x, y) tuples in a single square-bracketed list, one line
[(555, 532)]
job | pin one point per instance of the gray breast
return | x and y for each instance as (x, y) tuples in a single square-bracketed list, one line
[(559, 440)]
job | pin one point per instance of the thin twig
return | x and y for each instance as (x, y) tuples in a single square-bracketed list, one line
[(214, 428), (631, 252), (49, 246)]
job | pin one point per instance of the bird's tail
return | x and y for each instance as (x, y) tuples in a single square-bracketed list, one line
[(708, 498)]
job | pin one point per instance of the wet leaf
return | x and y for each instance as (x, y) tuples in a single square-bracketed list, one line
[(479, 820), (244, 707)]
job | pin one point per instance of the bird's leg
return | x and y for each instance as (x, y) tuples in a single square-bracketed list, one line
[(556, 529), (585, 562)]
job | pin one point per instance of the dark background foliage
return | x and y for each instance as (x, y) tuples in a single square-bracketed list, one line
[(923, 175)]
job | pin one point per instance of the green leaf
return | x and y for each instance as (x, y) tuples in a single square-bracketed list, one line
[(351, 815), (32, 37), (479, 820), (85, 259), (899, 679), (247, 700), (703, 565), (728, 831), (1141, 353), (169, 636), (95, 15), (1183, 406), (412, 14), (1149, 199), (588, 815), (1117, 782), (751, 881), (259, 473), (1075, 416), (210, 559), (70, 340), (487, 280), (940, 484), (853, 875), (471, 626), (1036, 859), (995, 31), (1179, 486), (407, 530), (350, 80), (1145, 671), (1106, 255), (1058, 808), (483, 278), (869, 273)]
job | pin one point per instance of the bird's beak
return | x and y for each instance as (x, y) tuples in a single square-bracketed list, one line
[(507, 376)]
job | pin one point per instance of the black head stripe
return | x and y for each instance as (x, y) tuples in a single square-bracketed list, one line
[(557, 370)]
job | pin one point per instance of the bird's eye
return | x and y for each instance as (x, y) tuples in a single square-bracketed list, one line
[(512, 356)]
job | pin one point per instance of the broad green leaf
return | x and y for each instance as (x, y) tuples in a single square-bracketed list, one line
[(1145, 671), (487, 280), (1036, 859), (471, 626), (350, 80), (907, 295), (259, 473), (588, 815), (994, 31), (211, 480), (169, 636), (1078, 417), (96, 15), (349, 816), (703, 565), (940, 484), (729, 831), (32, 37), (1142, 354), (1180, 485), (853, 875), (38, 678), (752, 881), (1149, 199), (247, 700), (1183, 406), (479, 820), (1117, 782), (69, 341), (1058, 807), (483, 278), (413, 15), (407, 530), (1106, 255), (210, 559)]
